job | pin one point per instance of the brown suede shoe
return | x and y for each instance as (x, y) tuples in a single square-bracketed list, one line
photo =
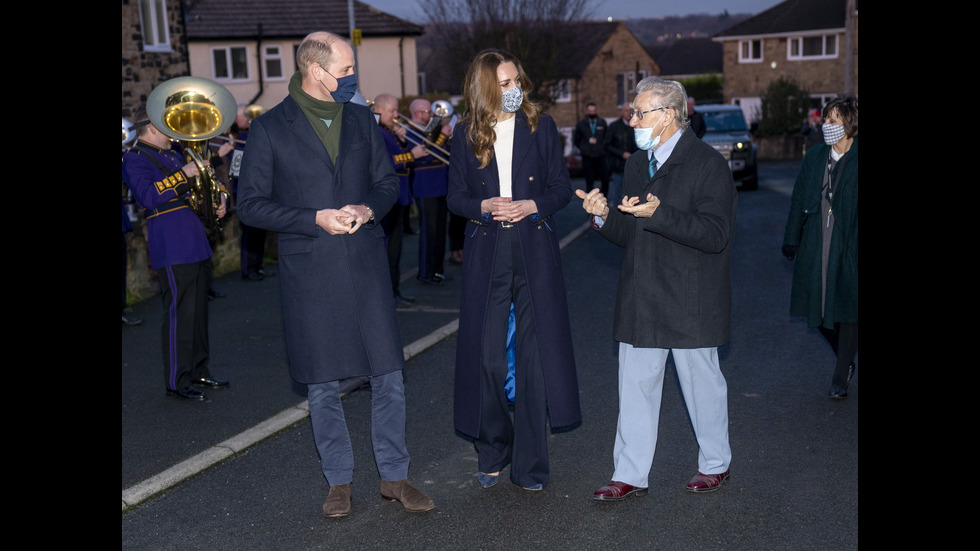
[(413, 500), (338, 501)]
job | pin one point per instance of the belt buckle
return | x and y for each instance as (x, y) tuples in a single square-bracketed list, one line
[(506, 225)]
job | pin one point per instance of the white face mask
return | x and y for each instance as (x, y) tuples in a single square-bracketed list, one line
[(511, 100), (644, 136), (832, 133)]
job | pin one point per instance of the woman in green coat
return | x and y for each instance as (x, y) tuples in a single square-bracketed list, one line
[(822, 235)]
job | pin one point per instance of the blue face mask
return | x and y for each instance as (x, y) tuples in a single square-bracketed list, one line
[(510, 101), (346, 88), (644, 136)]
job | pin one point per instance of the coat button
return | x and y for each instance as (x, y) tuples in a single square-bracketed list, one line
[(531, 179), (483, 183)]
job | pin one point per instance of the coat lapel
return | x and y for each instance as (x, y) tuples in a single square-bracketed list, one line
[(304, 132)]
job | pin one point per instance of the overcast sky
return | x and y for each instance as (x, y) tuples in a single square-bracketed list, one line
[(617, 9)]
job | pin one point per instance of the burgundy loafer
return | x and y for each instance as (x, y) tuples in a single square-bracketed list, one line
[(617, 491), (707, 482)]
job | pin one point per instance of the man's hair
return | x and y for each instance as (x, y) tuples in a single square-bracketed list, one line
[(670, 93), (316, 48), (139, 115)]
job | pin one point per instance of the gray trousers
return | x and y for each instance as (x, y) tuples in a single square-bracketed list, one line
[(387, 429)]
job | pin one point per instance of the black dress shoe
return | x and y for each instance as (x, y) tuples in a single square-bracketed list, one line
[(253, 276), (213, 294), (187, 393), (840, 392), (406, 298), (442, 277), (131, 320), (211, 382), (429, 280), (402, 303), (266, 273)]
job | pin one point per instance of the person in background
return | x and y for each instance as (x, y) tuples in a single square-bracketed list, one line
[(507, 176), (589, 137), (620, 144), (160, 181), (696, 119), (822, 239), (430, 183), (402, 156)]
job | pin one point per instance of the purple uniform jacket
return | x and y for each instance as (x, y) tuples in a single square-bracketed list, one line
[(176, 236)]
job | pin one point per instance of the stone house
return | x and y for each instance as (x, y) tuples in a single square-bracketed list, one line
[(602, 67), (814, 42)]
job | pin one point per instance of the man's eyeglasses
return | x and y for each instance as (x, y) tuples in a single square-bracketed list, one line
[(639, 114)]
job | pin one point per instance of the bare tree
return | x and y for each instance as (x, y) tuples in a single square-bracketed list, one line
[(538, 32)]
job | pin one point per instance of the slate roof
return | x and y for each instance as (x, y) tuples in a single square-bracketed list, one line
[(688, 56), (224, 19), (792, 16), (589, 39)]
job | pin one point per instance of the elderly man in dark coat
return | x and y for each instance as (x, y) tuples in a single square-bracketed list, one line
[(676, 223), (316, 171)]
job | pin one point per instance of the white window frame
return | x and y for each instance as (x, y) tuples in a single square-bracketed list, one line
[(747, 43), (276, 55), (798, 43), (561, 91), (153, 24), (230, 65)]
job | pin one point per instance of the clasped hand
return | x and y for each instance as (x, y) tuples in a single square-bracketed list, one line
[(347, 219), (505, 209)]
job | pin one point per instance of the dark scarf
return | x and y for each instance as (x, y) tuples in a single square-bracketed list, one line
[(318, 112)]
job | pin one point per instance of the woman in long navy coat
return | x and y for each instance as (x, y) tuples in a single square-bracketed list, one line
[(507, 176)]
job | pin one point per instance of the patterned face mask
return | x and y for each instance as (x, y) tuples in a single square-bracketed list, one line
[(511, 100), (832, 133)]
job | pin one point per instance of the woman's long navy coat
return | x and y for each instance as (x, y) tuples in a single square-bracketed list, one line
[(538, 173)]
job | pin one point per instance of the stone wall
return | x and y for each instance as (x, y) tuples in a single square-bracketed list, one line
[(142, 70), (141, 281)]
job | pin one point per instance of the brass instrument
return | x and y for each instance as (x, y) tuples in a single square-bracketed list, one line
[(193, 110), (253, 111)]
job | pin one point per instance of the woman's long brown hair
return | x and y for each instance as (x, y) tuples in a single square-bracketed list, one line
[(483, 100)]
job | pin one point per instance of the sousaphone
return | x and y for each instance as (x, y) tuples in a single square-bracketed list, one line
[(193, 110)]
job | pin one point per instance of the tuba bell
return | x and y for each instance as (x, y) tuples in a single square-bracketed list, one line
[(192, 110)]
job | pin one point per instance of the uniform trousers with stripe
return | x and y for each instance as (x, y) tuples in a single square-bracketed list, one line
[(184, 288)]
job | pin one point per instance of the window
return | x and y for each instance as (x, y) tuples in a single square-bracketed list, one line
[(153, 23), (822, 46), (272, 56), (229, 63), (626, 85), (750, 51), (561, 92)]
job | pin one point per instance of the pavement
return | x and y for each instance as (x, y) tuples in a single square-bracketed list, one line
[(240, 471)]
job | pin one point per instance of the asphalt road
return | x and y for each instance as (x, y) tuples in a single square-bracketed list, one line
[(241, 472)]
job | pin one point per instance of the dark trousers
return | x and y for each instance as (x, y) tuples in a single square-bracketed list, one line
[(523, 442), (843, 339), (392, 225), (253, 249), (184, 288), (457, 229), (433, 214), (594, 168)]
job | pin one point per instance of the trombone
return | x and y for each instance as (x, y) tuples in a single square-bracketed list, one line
[(415, 136)]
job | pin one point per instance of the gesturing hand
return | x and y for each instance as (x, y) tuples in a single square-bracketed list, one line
[(632, 205)]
